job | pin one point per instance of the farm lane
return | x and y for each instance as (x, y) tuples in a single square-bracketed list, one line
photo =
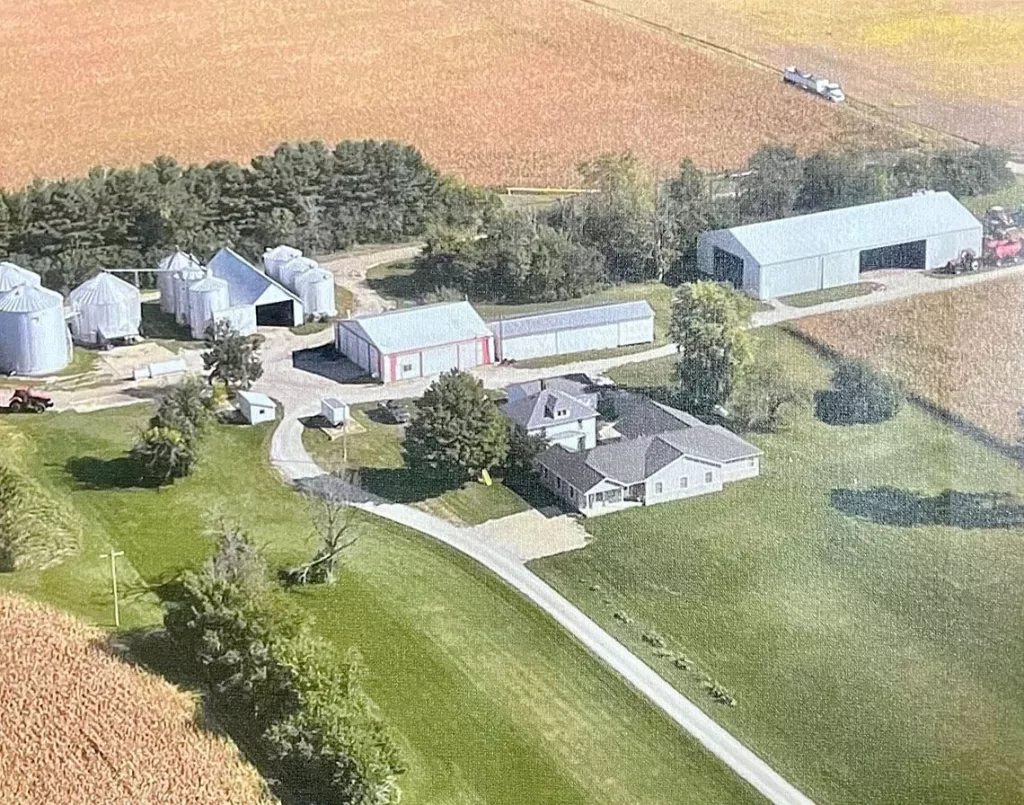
[(289, 456), (350, 272)]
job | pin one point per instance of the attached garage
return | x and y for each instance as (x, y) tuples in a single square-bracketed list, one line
[(562, 332), (827, 249), (416, 342)]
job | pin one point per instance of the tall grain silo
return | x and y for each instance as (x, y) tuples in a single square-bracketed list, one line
[(105, 309), (206, 298), (170, 265), (34, 337), (275, 259), (315, 288), (11, 276), (291, 271), (183, 279)]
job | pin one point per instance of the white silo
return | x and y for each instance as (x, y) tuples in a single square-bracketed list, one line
[(315, 288), (105, 308), (165, 278), (274, 259), (206, 298), (33, 335), (290, 271), (183, 279), (11, 276)]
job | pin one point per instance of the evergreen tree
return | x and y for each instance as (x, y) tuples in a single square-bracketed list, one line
[(231, 357), (164, 454), (457, 430), (770, 190)]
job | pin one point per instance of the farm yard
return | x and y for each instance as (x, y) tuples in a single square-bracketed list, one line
[(57, 681), (514, 93), (867, 624), (950, 64), (961, 349), (477, 685)]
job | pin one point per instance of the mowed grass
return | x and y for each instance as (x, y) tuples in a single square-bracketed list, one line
[(812, 298), (490, 700), (1011, 198), (872, 663), (375, 451)]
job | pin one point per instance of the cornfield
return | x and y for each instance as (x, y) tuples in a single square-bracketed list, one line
[(963, 349), (82, 727), (513, 93)]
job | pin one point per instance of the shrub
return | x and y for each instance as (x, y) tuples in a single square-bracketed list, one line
[(654, 639), (164, 454), (859, 395)]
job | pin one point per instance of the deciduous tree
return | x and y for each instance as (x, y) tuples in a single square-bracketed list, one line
[(232, 357)]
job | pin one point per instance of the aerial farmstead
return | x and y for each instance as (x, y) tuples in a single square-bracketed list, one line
[(828, 249)]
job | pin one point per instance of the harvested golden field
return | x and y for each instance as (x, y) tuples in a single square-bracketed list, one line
[(515, 92), (80, 727), (962, 349), (951, 64)]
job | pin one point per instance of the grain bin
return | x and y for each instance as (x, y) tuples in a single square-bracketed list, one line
[(11, 276), (315, 288), (274, 259), (290, 271), (105, 309), (183, 279), (206, 298), (34, 338), (169, 266)]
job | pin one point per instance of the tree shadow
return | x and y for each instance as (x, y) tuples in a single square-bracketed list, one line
[(90, 472), (403, 283), (888, 505), (403, 484)]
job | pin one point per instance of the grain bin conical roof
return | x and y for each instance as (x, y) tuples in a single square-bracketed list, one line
[(103, 289), (11, 276), (179, 261), (29, 299)]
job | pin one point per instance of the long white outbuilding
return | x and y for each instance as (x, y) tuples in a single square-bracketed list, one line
[(827, 249)]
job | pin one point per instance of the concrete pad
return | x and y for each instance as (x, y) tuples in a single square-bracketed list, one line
[(119, 362), (532, 534)]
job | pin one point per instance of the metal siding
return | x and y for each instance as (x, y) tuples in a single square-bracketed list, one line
[(529, 346), (640, 331), (601, 337), (842, 268), (469, 355), (943, 248), (373, 362), (439, 359), (783, 279)]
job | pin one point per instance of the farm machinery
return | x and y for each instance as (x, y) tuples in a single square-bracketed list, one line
[(28, 401), (816, 85)]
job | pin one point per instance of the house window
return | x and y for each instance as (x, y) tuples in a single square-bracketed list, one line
[(708, 476), (558, 483), (572, 492), (658, 487), (562, 412), (599, 497), (543, 472), (406, 367), (684, 482)]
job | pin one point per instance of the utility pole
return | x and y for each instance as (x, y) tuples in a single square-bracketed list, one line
[(113, 581)]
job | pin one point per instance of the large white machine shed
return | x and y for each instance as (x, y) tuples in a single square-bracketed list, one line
[(828, 249), (562, 332), (416, 342), (248, 286)]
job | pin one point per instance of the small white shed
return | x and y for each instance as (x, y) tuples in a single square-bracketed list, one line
[(334, 411), (256, 408)]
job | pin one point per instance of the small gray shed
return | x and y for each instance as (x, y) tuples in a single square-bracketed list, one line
[(334, 411), (561, 332), (828, 249), (256, 408)]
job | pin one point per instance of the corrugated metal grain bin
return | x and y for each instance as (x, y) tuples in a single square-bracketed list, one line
[(316, 290), (274, 259), (169, 266), (11, 276), (105, 309), (206, 299), (34, 337)]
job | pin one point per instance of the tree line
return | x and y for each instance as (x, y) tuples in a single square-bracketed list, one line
[(306, 194), (631, 227)]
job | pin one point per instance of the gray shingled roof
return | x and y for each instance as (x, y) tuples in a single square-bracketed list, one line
[(711, 442), (576, 385), (636, 416), (866, 226), (413, 328), (569, 467), (572, 319), (530, 412)]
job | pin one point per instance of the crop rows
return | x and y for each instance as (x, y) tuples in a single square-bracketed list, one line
[(507, 93), (82, 727), (962, 349)]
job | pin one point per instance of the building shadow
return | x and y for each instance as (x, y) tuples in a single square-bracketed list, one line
[(888, 505), (325, 361)]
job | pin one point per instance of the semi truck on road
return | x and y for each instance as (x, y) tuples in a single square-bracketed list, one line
[(829, 90)]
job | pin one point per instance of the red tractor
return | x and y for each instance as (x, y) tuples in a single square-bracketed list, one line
[(29, 401), (1004, 250)]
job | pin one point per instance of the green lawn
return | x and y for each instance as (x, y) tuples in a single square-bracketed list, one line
[(873, 662), (376, 453), (1011, 198), (840, 292), (491, 701)]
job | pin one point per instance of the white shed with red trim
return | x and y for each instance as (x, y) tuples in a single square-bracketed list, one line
[(416, 341)]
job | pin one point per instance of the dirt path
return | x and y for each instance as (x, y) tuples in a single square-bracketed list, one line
[(350, 272)]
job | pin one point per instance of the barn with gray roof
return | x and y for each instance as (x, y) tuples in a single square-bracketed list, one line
[(828, 249), (416, 341), (562, 332)]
